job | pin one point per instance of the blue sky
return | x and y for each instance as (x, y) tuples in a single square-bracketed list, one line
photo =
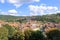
[(29, 7)]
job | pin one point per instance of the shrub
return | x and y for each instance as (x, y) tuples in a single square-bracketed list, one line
[(18, 35), (53, 34), (34, 35), (3, 33), (10, 30)]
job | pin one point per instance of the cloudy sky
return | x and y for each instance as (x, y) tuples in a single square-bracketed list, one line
[(29, 7)]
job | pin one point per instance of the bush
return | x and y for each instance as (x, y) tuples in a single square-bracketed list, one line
[(53, 34), (10, 30), (18, 35), (34, 35), (3, 33), (27, 33)]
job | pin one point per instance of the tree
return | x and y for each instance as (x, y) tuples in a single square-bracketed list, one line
[(34, 35), (3, 33), (18, 35), (27, 33), (53, 34), (10, 30)]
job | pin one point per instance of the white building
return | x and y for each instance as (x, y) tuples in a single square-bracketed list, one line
[(33, 26), (0, 25)]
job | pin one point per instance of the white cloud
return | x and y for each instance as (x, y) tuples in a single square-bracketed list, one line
[(42, 9), (57, 11), (2, 1), (12, 12), (32, 14), (18, 3), (52, 8), (3, 13), (36, 0), (24, 15)]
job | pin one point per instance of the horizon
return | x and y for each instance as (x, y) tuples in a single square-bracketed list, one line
[(31, 16), (29, 7)]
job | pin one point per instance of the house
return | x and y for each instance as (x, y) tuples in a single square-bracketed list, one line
[(0, 25)]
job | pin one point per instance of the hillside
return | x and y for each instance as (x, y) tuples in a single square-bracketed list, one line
[(44, 18), (9, 17), (49, 18)]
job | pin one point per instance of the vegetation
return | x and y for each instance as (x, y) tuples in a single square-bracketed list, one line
[(34, 35), (49, 18), (11, 33), (53, 34), (18, 35), (10, 29), (9, 18), (43, 18), (3, 33)]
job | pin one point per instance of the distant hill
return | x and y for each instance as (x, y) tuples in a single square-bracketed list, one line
[(43, 18), (49, 18), (8, 18)]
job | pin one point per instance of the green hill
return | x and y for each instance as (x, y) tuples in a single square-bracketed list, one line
[(43, 18), (8, 18), (49, 18)]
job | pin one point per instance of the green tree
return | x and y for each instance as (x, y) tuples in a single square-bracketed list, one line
[(34, 35), (3, 33), (10, 30), (27, 33), (53, 34), (18, 35)]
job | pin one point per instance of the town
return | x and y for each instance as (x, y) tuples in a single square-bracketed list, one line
[(31, 24)]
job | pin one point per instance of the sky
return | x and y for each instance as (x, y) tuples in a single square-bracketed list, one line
[(29, 7)]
